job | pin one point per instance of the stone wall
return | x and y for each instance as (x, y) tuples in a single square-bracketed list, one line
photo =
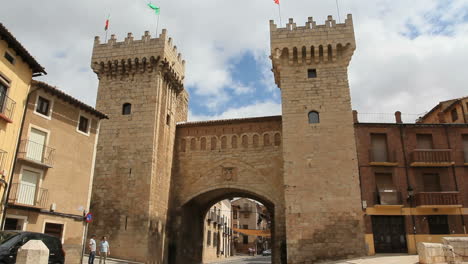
[(322, 193), (134, 154), (223, 159)]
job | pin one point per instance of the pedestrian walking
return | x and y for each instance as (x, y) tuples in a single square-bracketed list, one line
[(92, 249), (104, 250)]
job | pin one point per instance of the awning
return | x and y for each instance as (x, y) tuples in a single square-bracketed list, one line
[(253, 232)]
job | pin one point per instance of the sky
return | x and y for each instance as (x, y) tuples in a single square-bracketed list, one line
[(410, 54)]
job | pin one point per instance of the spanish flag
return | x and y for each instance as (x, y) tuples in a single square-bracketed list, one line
[(106, 27)]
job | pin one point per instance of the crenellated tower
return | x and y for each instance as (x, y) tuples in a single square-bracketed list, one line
[(141, 90), (322, 195)]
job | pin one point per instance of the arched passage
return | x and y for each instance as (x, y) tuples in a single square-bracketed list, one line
[(203, 176), (186, 244)]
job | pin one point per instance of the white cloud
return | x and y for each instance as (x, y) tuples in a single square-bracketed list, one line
[(267, 108), (389, 71)]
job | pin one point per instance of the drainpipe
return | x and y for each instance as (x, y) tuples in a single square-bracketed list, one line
[(402, 141), (454, 173), (13, 168)]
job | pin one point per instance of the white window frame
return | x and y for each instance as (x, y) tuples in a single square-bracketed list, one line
[(82, 114), (39, 181), (51, 106), (20, 217), (52, 221)]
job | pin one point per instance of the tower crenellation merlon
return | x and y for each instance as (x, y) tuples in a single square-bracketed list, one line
[(313, 43), (132, 55)]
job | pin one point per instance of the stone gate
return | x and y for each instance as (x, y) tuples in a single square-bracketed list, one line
[(157, 175)]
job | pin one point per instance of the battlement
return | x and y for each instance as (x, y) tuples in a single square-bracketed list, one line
[(138, 56), (313, 43)]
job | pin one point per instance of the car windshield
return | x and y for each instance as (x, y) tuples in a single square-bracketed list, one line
[(6, 238)]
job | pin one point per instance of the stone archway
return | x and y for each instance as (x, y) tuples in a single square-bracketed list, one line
[(186, 244), (219, 160)]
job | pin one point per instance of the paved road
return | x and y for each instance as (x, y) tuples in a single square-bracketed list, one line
[(246, 260)]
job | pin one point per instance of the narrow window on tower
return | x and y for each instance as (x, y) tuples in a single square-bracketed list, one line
[(126, 109), (314, 117), (312, 73), (168, 119)]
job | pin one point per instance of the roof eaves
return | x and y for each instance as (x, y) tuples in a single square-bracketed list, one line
[(62, 95), (20, 50)]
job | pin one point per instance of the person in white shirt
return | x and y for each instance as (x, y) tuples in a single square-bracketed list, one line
[(104, 250), (92, 249)]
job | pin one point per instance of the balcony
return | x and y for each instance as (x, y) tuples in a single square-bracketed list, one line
[(382, 160), (28, 196), (431, 158), (36, 153), (388, 198), (438, 199), (7, 107)]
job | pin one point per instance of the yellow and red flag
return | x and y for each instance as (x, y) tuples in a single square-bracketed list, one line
[(277, 2), (106, 27)]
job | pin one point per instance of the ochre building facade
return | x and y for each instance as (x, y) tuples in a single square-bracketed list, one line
[(157, 175)]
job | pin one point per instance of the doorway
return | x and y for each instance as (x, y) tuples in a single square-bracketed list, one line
[(389, 234)]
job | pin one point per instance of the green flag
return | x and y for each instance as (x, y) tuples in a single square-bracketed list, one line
[(155, 8)]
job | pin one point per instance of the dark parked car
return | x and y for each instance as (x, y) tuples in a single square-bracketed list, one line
[(11, 241)]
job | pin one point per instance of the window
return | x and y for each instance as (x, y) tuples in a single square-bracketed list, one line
[(454, 114), (431, 182), (208, 238), (193, 144), (438, 224), (9, 58), (277, 139), (314, 117), (215, 239), (83, 125), (13, 224), (379, 148), (255, 141), (424, 141), (234, 142), (245, 226), (245, 239), (43, 106), (384, 181), (168, 119), (266, 140), (126, 109), (234, 214), (54, 230), (245, 141), (203, 143), (213, 143), (312, 73), (3, 94)]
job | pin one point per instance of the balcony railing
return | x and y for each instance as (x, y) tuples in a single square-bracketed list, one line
[(431, 199), (390, 158), (431, 157), (37, 153), (7, 107), (28, 195), (388, 197)]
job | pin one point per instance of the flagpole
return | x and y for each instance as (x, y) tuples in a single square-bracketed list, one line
[(157, 25), (107, 27), (338, 10), (279, 10)]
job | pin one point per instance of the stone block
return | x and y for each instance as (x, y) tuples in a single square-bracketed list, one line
[(33, 252)]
